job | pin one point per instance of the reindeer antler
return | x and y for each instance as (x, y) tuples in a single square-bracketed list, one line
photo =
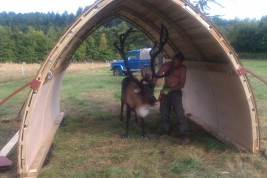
[(164, 35), (122, 39)]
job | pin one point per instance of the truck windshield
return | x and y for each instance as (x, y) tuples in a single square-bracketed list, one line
[(132, 55)]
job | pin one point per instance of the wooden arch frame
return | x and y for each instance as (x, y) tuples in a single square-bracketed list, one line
[(217, 94)]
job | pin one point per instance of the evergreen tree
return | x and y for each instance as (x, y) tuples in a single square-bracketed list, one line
[(7, 46), (103, 43), (262, 30), (80, 53), (29, 37)]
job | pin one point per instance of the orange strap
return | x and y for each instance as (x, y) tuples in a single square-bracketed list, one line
[(35, 84)]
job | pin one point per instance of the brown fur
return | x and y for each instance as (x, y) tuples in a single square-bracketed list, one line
[(135, 94)]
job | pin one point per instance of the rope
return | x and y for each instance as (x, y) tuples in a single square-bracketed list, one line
[(243, 71), (34, 85), (258, 77)]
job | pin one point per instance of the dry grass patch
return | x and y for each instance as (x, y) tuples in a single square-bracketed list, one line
[(10, 72), (87, 66)]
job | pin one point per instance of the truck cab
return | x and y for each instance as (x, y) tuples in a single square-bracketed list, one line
[(137, 59)]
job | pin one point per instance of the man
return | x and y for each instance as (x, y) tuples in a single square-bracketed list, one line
[(174, 73)]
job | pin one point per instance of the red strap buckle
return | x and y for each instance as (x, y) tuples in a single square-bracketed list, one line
[(241, 71), (35, 84)]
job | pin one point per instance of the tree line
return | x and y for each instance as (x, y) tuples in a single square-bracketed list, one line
[(29, 37), (248, 36)]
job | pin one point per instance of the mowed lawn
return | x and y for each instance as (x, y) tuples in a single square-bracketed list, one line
[(260, 92), (89, 143)]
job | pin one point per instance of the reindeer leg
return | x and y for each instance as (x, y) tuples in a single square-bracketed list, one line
[(122, 104), (143, 128), (128, 117), (136, 118)]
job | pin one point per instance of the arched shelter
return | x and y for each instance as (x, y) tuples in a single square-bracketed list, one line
[(217, 94)]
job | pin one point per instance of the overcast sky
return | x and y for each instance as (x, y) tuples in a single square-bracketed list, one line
[(232, 8), (241, 9)]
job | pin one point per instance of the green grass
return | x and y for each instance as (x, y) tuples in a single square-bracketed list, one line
[(89, 143), (260, 92), (15, 102), (10, 109), (260, 68)]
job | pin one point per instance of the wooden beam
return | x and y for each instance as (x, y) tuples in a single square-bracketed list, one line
[(10, 145)]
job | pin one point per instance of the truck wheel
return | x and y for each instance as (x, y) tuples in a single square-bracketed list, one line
[(117, 71)]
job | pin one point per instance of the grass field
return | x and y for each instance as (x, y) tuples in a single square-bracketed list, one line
[(89, 142), (260, 93)]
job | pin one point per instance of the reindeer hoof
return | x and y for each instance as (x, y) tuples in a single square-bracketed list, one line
[(125, 136), (144, 137)]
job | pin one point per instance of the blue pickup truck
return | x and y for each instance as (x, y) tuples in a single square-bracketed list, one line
[(137, 59)]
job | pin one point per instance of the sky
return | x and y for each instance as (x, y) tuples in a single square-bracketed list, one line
[(231, 8), (240, 8), (45, 6)]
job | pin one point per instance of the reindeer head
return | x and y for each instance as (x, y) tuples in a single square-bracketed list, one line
[(147, 91)]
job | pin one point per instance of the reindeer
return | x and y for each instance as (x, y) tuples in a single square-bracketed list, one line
[(137, 95)]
